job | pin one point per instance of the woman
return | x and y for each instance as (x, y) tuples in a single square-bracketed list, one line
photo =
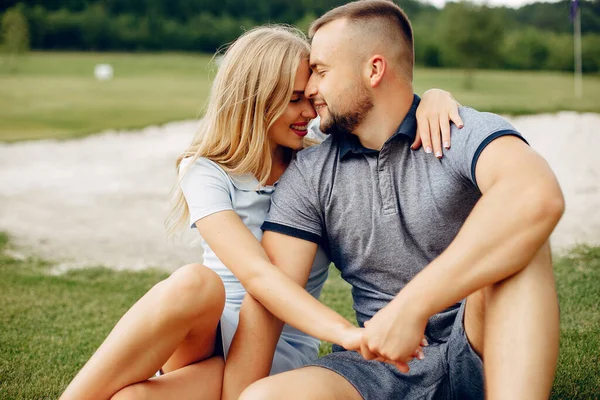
[(257, 117)]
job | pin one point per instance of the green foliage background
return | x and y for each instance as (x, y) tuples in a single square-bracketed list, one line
[(535, 36)]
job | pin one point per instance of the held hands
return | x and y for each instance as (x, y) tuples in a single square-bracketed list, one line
[(434, 114), (393, 336)]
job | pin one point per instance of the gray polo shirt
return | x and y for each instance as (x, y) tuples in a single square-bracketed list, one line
[(382, 216)]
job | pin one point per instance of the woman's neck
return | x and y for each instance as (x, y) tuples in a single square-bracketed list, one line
[(281, 158)]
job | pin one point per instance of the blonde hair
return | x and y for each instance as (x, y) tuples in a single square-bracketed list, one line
[(251, 89)]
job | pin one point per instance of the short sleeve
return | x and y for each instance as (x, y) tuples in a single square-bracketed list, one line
[(295, 209), (205, 187), (480, 129)]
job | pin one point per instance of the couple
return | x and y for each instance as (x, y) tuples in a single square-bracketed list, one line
[(448, 256)]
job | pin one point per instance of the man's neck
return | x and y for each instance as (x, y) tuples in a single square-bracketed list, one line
[(384, 119)]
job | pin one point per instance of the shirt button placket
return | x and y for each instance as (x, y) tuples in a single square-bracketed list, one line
[(385, 183)]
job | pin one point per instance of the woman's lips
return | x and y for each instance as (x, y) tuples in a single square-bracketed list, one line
[(300, 129)]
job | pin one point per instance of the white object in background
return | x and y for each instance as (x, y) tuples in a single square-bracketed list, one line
[(103, 72)]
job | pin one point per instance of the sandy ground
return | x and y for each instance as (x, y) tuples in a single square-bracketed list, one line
[(102, 200)]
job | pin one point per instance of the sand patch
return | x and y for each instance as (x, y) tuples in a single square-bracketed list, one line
[(102, 200)]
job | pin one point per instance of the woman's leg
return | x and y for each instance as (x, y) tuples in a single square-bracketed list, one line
[(174, 325), (200, 381)]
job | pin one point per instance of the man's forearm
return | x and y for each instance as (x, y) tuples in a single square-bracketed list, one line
[(500, 237)]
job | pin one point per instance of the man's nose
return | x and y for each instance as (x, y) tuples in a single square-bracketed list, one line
[(310, 90)]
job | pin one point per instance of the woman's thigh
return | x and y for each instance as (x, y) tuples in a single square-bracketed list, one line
[(200, 381), (199, 343)]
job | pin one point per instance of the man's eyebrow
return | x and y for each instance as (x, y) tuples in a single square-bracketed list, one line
[(298, 92), (315, 63)]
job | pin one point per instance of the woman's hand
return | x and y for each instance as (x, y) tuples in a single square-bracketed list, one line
[(434, 114)]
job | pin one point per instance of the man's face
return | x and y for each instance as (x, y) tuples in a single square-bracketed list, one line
[(336, 87)]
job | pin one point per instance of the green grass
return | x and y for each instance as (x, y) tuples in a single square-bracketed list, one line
[(515, 93), (50, 325), (578, 280), (54, 95)]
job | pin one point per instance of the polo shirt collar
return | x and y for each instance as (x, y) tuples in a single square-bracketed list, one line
[(249, 183), (408, 128)]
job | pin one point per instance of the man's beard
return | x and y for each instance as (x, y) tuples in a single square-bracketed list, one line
[(340, 124)]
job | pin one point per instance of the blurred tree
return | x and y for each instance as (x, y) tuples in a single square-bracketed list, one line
[(590, 48), (304, 23), (472, 36), (96, 35), (14, 36), (548, 16), (427, 40), (539, 35), (64, 30), (528, 49), (561, 56)]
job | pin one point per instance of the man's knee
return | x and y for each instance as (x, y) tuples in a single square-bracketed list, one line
[(133, 392)]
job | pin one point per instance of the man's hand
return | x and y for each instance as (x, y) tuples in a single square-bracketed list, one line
[(393, 334), (353, 339)]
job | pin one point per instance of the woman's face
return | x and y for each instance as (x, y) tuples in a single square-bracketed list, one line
[(289, 129)]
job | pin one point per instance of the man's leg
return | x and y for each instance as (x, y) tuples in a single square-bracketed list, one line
[(302, 384), (515, 326)]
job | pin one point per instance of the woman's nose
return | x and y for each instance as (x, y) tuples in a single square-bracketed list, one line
[(309, 111)]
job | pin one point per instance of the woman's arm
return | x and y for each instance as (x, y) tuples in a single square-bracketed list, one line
[(281, 292), (434, 114), (238, 250), (251, 352)]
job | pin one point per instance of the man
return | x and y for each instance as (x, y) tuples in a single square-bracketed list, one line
[(414, 235)]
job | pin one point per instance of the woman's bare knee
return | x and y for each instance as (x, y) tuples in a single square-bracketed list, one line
[(193, 291)]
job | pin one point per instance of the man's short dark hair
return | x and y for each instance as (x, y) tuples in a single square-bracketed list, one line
[(394, 21)]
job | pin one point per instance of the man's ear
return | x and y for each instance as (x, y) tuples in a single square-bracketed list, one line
[(376, 67)]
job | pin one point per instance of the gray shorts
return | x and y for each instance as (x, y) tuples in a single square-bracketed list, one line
[(450, 370)]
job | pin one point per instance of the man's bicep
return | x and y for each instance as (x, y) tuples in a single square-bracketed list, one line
[(510, 159), (292, 255)]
